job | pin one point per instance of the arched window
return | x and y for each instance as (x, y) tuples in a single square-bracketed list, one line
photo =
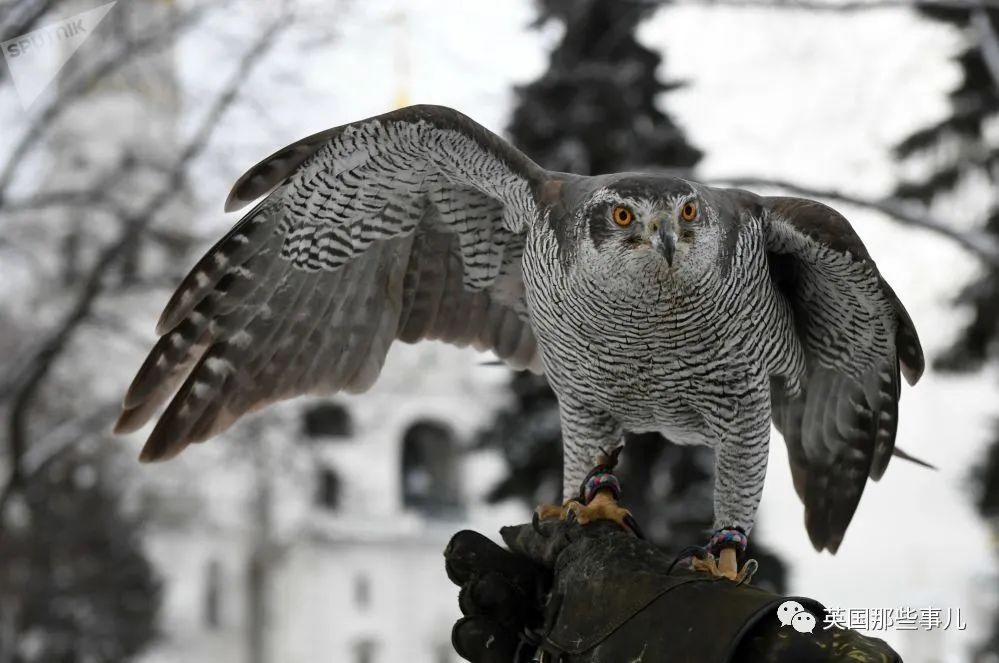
[(430, 478), (327, 420), (328, 489)]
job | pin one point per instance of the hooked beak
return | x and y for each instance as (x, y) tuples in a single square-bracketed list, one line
[(664, 241)]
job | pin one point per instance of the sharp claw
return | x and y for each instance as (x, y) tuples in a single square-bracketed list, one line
[(721, 567), (696, 552), (704, 564), (630, 521), (602, 507), (748, 571), (536, 525), (688, 552)]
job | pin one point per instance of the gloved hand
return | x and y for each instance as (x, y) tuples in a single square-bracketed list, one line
[(597, 593)]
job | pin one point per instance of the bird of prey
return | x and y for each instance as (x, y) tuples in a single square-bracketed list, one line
[(650, 303)]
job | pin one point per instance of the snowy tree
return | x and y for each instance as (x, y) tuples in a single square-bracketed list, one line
[(958, 155)]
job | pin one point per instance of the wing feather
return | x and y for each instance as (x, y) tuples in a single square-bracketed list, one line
[(404, 226), (840, 423)]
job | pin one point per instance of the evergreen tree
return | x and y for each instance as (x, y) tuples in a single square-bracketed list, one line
[(75, 585), (952, 152), (594, 111)]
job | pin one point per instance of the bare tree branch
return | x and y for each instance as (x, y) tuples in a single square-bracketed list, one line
[(131, 48), (95, 195), (980, 244), (24, 387), (22, 16), (89, 198), (56, 443)]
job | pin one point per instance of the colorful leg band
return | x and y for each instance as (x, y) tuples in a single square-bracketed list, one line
[(600, 481), (730, 537)]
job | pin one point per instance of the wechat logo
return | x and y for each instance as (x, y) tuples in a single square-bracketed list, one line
[(793, 614)]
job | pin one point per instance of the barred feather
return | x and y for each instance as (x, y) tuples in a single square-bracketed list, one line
[(420, 224), (857, 336), (397, 227)]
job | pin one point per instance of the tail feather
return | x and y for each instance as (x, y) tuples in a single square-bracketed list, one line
[(898, 453)]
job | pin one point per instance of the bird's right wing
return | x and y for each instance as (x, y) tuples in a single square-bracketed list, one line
[(409, 226)]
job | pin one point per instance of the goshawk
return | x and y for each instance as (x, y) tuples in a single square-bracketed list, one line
[(650, 303)]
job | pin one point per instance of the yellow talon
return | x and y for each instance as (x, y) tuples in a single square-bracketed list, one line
[(603, 506), (725, 566)]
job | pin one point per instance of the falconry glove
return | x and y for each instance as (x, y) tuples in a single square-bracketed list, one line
[(575, 594)]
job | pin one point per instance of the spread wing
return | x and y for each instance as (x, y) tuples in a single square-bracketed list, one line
[(856, 337), (408, 226)]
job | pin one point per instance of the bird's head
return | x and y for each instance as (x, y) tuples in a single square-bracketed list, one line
[(663, 226)]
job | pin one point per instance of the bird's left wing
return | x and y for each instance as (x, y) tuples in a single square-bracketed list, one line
[(856, 337), (409, 226)]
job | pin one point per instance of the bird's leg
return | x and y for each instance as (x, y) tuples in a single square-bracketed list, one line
[(722, 554), (724, 566), (596, 500), (589, 487), (740, 468)]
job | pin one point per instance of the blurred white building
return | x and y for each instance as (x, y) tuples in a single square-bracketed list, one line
[(336, 548)]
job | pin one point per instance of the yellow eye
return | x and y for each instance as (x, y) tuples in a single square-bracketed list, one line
[(623, 216), (689, 212)]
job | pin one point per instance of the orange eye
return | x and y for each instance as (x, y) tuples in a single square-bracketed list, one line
[(623, 216), (689, 212)]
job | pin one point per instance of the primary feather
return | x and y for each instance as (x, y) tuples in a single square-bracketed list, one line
[(403, 226)]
